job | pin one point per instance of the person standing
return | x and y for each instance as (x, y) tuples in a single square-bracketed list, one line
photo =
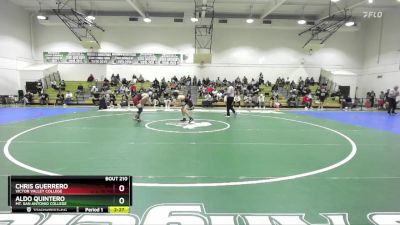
[(186, 108), (139, 101), (393, 93), (230, 94)]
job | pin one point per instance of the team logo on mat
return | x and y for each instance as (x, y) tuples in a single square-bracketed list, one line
[(191, 214), (190, 126), (195, 127)]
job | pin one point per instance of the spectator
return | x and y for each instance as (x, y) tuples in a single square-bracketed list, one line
[(237, 99), (79, 89), (39, 87), (247, 101), (124, 100), (68, 98), (54, 85), (347, 103), (28, 98), (94, 89), (44, 98), (208, 100), (90, 78), (63, 85), (140, 79), (381, 101), (307, 101), (167, 101), (261, 101), (372, 98), (60, 98), (393, 93), (133, 90), (112, 99)]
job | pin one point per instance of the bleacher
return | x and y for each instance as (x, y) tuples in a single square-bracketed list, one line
[(85, 98)]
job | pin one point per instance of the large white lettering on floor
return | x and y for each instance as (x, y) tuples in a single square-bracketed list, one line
[(189, 214)]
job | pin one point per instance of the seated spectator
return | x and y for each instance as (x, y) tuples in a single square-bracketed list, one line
[(62, 85), (54, 85), (155, 98), (312, 82), (133, 89), (79, 89), (273, 99), (59, 99), (94, 89), (244, 80), (140, 79), (102, 102), (167, 101), (261, 78), (219, 96), (114, 80), (175, 94), (44, 98), (112, 99), (39, 87), (236, 99), (208, 100), (247, 101), (347, 103), (156, 84), (124, 81), (254, 100), (68, 98), (173, 85), (90, 78), (292, 103), (28, 98), (124, 100)]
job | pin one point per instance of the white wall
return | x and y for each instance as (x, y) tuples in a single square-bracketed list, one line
[(15, 45), (236, 51), (382, 53)]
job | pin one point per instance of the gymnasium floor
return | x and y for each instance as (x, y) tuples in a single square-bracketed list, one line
[(259, 162)]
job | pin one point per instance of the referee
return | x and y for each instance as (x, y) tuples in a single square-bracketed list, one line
[(393, 93), (230, 94)]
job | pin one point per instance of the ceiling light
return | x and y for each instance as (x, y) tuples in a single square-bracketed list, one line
[(335, 0), (350, 23), (90, 17), (370, 1), (301, 22), (194, 19), (41, 17), (147, 20), (249, 20)]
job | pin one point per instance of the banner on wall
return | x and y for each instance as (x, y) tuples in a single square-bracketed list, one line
[(111, 58)]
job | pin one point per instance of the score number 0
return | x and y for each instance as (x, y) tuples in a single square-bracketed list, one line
[(121, 200)]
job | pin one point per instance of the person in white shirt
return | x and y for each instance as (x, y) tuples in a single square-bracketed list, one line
[(230, 94), (68, 97), (237, 99), (94, 89), (393, 93), (261, 101)]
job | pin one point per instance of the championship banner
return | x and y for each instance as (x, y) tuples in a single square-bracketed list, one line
[(111, 58)]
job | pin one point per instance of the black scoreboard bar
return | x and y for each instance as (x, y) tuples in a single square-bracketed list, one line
[(88, 194)]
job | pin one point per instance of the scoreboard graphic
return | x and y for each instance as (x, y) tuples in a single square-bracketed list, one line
[(72, 194)]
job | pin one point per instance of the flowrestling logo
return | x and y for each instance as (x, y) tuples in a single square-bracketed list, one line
[(188, 214)]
